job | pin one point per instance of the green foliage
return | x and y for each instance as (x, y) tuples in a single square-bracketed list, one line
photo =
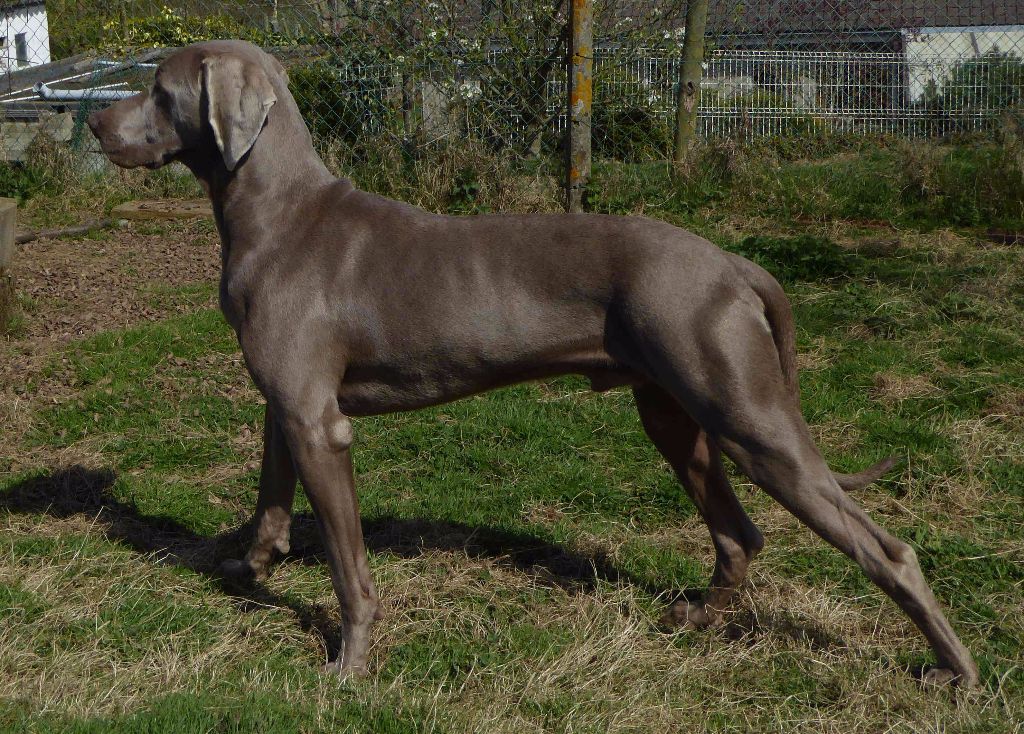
[(76, 27), (465, 195), (993, 81), (989, 85), (343, 99), (804, 257), (631, 133), (20, 181), (49, 168), (172, 28)]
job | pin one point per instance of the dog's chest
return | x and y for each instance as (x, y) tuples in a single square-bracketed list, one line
[(232, 306), (376, 390)]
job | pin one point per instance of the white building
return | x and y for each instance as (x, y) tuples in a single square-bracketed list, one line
[(24, 35), (933, 53)]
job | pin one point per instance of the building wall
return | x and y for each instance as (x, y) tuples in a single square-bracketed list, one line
[(932, 53), (31, 22)]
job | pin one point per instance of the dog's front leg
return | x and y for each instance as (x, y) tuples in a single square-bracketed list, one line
[(273, 517), (321, 450)]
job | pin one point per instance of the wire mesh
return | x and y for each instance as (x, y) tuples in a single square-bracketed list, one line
[(414, 75)]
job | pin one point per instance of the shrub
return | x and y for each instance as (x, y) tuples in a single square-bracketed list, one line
[(992, 81), (632, 133), (343, 100), (990, 84), (49, 166), (708, 170), (967, 185), (77, 27)]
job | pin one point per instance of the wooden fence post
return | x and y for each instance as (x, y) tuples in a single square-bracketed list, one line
[(8, 215), (581, 99)]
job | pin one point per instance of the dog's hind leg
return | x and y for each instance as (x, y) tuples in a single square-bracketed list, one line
[(273, 516), (697, 462), (737, 393)]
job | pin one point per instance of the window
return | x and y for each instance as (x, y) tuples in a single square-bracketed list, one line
[(21, 48)]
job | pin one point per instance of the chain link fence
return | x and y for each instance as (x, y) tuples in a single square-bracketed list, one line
[(416, 75)]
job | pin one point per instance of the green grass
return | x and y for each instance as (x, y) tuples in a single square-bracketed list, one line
[(524, 541), (923, 184)]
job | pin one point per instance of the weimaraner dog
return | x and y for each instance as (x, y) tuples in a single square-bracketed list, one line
[(349, 304)]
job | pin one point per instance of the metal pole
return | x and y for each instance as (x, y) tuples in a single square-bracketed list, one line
[(581, 98)]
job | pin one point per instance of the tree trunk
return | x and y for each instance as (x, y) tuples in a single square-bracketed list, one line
[(689, 77)]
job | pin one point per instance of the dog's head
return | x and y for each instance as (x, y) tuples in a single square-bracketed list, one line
[(209, 99)]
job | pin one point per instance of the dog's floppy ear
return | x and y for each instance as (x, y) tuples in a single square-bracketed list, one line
[(239, 96)]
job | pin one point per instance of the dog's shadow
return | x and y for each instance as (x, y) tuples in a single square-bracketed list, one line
[(80, 491)]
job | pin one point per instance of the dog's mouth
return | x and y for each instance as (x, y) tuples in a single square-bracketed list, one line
[(126, 156), (159, 163)]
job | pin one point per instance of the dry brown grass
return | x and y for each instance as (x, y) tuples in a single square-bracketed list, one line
[(77, 587), (891, 387), (842, 646)]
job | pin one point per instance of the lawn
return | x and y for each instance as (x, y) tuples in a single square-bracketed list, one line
[(524, 542)]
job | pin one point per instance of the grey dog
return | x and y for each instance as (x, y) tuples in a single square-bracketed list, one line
[(350, 304)]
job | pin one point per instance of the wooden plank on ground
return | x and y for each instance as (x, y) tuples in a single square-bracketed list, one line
[(163, 209)]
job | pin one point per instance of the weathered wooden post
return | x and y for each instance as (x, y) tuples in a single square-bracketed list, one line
[(689, 77), (8, 215), (581, 98)]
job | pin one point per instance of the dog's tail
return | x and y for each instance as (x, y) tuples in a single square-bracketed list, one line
[(779, 314)]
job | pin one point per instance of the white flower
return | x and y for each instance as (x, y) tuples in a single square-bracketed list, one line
[(469, 90)]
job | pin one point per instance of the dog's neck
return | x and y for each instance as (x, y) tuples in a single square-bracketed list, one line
[(272, 181), (266, 193)]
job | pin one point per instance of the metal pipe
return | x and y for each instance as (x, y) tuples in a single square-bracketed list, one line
[(76, 95), (129, 64)]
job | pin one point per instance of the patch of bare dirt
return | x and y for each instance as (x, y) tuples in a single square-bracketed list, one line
[(1006, 403), (80, 286), (73, 288)]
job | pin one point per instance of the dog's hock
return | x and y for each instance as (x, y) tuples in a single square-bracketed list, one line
[(239, 97)]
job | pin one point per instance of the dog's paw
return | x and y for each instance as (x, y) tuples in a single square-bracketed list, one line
[(240, 572), (344, 672), (941, 677), (690, 615)]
